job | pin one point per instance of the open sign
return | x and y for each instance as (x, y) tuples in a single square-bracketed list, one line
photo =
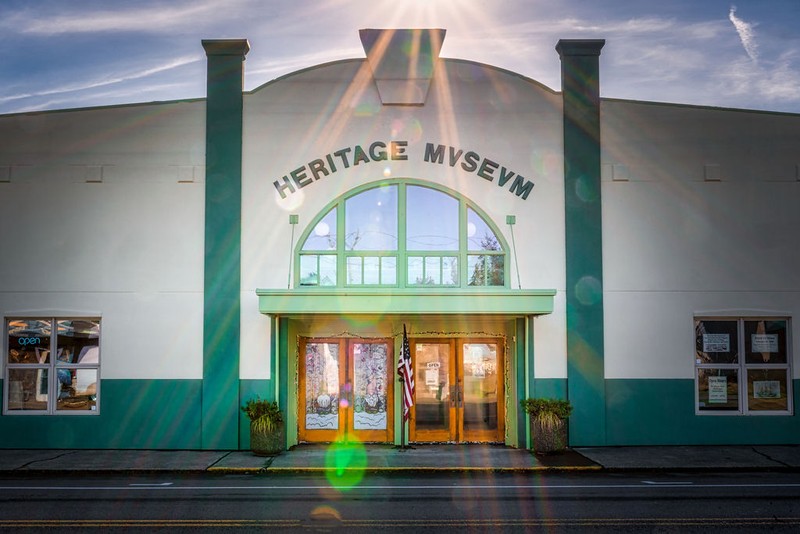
[(30, 341)]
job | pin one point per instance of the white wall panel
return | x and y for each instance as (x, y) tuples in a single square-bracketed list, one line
[(550, 339), (254, 362), (676, 244), (95, 221)]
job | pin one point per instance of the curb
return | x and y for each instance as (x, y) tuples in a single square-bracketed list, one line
[(433, 469), (16, 473)]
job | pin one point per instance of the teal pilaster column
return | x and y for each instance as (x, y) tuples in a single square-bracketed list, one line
[(521, 346), (584, 244), (222, 284)]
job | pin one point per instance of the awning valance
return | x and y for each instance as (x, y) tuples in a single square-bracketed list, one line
[(306, 301)]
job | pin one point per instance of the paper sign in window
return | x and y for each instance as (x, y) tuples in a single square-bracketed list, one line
[(716, 343), (764, 342), (766, 389), (717, 389)]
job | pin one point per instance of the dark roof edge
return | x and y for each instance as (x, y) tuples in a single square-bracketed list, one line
[(110, 106), (699, 106)]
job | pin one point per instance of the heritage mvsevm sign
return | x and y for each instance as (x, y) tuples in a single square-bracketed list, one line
[(344, 158)]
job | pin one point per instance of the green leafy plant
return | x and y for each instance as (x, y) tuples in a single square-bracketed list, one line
[(549, 413), (265, 416)]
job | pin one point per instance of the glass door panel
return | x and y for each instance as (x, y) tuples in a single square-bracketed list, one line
[(322, 373), (371, 412), (481, 418), (433, 411)]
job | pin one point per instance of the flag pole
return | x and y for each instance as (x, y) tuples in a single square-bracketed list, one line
[(402, 418), (406, 374)]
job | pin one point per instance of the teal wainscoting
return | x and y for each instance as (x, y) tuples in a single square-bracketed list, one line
[(134, 414), (550, 388), (249, 389), (661, 412)]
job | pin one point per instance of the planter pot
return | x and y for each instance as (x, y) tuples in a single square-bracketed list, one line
[(546, 440), (269, 443)]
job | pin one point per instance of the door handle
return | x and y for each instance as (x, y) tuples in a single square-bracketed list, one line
[(456, 396)]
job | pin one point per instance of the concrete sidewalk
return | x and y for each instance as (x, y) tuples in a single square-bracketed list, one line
[(385, 458)]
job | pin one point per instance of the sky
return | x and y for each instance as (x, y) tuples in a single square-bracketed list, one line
[(58, 54)]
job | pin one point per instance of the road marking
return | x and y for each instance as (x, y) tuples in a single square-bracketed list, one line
[(396, 488), (153, 485), (667, 483), (294, 524)]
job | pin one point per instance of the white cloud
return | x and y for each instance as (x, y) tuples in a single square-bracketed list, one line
[(101, 82), (777, 82), (746, 34), (139, 19)]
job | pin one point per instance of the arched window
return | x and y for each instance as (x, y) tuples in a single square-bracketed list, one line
[(401, 234)]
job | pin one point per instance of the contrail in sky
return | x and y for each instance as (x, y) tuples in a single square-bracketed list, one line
[(746, 34)]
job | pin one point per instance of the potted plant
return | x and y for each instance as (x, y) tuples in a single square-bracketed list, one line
[(548, 423), (267, 431)]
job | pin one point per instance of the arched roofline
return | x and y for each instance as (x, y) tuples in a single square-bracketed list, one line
[(364, 60)]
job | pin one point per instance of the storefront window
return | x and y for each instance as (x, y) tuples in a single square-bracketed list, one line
[(436, 238), (38, 383), (765, 386)]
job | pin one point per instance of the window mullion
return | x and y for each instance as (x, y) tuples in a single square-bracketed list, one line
[(743, 408), (402, 232), (341, 261), (463, 244), (52, 372)]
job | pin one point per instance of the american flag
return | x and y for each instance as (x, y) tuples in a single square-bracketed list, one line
[(406, 373)]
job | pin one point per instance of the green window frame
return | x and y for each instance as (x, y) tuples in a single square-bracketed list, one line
[(460, 265)]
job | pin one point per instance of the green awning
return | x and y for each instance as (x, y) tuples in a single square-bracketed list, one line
[(306, 301)]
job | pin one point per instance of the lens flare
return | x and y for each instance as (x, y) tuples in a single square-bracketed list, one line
[(345, 462), (588, 290)]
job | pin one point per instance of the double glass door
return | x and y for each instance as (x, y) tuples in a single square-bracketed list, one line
[(345, 390), (458, 390)]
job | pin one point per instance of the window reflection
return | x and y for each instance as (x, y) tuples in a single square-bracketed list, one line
[(479, 235), (27, 389), (371, 220), (323, 236), (29, 341), (431, 219)]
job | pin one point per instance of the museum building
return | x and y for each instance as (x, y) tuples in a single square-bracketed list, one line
[(165, 262)]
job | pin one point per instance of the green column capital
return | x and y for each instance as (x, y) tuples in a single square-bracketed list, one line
[(226, 47)]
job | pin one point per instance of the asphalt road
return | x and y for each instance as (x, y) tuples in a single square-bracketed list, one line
[(596, 502)]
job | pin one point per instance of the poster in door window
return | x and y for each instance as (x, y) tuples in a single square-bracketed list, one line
[(369, 384), (322, 386)]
